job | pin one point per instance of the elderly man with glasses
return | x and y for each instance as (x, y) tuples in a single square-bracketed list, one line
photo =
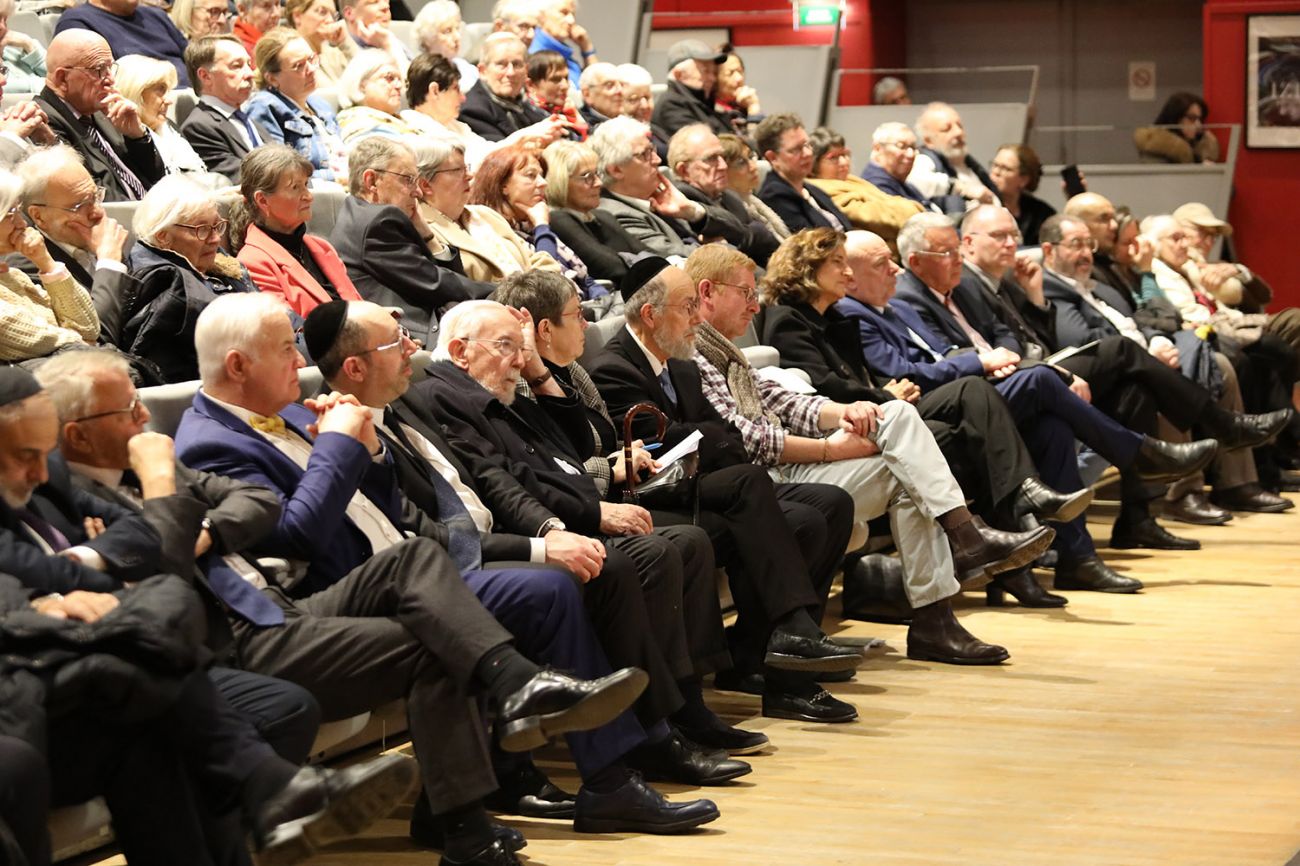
[(86, 112)]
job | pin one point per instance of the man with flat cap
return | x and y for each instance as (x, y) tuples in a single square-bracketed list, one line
[(692, 80)]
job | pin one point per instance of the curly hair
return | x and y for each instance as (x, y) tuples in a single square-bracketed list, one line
[(792, 270), (494, 172)]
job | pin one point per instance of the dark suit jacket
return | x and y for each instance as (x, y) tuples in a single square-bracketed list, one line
[(217, 141), (599, 243), (886, 182), (680, 106), (890, 352), (490, 119), (730, 220), (623, 376), (391, 265), (1077, 321), (139, 154), (528, 440), (130, 546), (777, 193), (826, 347), (936, 315), (1029, 323)]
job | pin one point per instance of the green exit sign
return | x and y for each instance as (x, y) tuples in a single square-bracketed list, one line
[(819, 16)]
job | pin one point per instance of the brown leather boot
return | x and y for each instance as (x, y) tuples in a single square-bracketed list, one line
[(936, 636), (979, 550)]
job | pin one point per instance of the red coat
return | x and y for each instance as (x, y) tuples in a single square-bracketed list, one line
[(275, 271)]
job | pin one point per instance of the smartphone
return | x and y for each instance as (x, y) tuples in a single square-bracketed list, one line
[(1073, 185)]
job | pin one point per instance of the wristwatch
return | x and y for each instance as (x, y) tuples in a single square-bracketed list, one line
[(549, 524)]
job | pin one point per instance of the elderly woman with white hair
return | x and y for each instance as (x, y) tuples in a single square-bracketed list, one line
[(197, 18), (370, 95), (438, 27), (22, 54), (37, 320), (148, 82), (179, 234)]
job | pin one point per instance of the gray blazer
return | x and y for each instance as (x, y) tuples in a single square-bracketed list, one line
[(650, 229)]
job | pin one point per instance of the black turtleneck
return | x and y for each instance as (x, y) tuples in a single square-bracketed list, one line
[(297, 247)]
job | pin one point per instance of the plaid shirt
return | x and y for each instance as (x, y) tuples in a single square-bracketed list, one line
[(783, 411)]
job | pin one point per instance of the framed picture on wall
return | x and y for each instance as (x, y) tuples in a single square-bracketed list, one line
[(1273, 81)]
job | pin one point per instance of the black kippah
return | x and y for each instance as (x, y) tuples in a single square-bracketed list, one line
[(16, 384), (322, 327), (642, 272)]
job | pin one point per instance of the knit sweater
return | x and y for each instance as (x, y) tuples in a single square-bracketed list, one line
[(36, 320)]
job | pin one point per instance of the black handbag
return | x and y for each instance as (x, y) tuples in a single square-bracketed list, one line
[(672, 487)]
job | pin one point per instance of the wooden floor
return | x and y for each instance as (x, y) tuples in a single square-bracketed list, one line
[(1161, 728)]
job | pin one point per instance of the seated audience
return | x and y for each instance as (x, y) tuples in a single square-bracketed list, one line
[(367, 22), (516, 17), (573, 188), (784, 143), (893, 152), (638, 101), (1231, 283), (558, 30), (742, 179), (370, 98), (319, 23), (489, 246), (195, 18), (288, 109), (36, 321), (866, 205), (548, 90), (117, 146), (179, 234), (385, 242), (700, 172), (733, 98), (24, 56), (692, 80), (218, 129), (1179, 134), (130, 27), (438, 28), (256, 18), (645, 203), (603, 90), (269, 232), (149, 83), (1015, 172), (943, 170), (495, 107), (890, 91), (433, 91)]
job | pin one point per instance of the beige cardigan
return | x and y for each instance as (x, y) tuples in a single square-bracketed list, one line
[(486, 260), (36, 320)]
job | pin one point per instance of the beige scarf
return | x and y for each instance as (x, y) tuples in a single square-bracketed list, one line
[(734, 366)]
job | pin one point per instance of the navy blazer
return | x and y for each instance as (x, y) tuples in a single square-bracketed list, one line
[(891, 353), (1077, 321), (312, 526), (777, 193), (886, 182), (919, 297)]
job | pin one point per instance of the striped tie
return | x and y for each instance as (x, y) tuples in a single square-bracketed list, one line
[(124, 175)]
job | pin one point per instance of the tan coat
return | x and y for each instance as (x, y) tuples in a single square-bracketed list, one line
[(487, 258), (36, 320), (869, 208)]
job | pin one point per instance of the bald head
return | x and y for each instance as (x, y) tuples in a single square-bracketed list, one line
[(874, 270), (1099, 215), (940, 127), (79, 69)]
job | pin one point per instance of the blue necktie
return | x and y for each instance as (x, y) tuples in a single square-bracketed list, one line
[(254, 139), (42, 527), (666, 382), (238, 594)]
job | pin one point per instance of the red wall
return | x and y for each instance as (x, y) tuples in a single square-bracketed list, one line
[(1265, 211)]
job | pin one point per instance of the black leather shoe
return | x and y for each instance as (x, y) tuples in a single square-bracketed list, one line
[(1149, 534), (553, 703), (1194, 508), (496, 854), (792, 652), (936, 636), (735, 680), (1161, 461), (874, 590), (1249, 431), (1094, 575), (1036, 498), (638, 808), (835, 677), (526, 791), (677, 759), (1022, 586), (320, 806), (818, 705), (979, 550), (721, 736), (1251, 497), (428, 832)]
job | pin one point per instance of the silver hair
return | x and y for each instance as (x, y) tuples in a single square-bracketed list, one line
[(431, 151), (923, 122), (431, 17), (172, 200), (72, 378), (614, 142), (1157, 226), (633, 75), (653, 293), (601, 71), (889, 132), (911, 237), (11, 190), (462, 322), (135, 75), (42, 164), (352, 83), (884, 87), (498, 40), (232, 321), (507, 8), (371, 154)]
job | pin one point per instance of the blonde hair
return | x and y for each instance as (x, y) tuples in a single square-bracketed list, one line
[(562, 159), (266, 53), (136, 75)]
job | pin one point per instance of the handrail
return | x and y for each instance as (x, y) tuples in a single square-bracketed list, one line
[(1032, 68)]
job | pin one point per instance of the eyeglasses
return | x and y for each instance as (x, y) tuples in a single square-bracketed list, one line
[(950, 255), (103, 72), (806, 147), (460, 169), (646, 154), (11, 213), (4, 69), (1001, 237), (1080, 243), (206, 232), (96, 199), (402, 336), (750, 296), (691, 307), (1002, 166), (739, 161), (216, 13), (711, 159), (901, 148), (587, 178), (133, 409), (408, 179), (505, 348), (301, 66)]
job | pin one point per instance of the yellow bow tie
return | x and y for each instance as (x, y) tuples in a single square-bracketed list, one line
[(272, 424)]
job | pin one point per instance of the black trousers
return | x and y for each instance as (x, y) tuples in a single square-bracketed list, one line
[(284, 714), (24, 803)]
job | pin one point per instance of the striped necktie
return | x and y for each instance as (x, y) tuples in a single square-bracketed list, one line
[(124, 175)]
